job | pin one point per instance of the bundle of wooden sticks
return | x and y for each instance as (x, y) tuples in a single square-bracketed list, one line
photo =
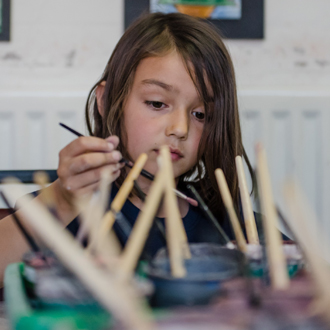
[(107, 271)]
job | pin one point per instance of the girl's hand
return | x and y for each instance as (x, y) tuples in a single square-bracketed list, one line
[(81, 163)]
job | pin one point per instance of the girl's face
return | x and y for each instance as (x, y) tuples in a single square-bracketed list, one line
[(164, 108)]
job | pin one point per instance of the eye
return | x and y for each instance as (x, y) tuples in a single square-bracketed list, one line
[(155, 104), (199, 115)]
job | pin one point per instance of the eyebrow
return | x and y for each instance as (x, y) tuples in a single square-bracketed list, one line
[(157, 83)]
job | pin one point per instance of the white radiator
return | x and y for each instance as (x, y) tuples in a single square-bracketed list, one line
[(30, 135), (293, 128)]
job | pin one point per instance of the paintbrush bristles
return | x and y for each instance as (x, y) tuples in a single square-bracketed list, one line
[(277, 263), (228, 202), (249, 220)]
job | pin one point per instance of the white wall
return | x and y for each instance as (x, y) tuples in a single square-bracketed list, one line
[(63, 45), (295, 54), (60, 45)]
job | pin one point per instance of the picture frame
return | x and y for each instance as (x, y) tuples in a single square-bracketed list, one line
[(4, 20), (250, 26)]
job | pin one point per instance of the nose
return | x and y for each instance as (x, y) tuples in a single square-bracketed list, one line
[(178, 124)]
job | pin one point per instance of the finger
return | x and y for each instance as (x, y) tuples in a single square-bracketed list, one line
[(113, 139), (90, 161), (87, 144), (89, 178)]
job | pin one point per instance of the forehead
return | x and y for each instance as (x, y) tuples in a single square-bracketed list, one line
[(169, 69)]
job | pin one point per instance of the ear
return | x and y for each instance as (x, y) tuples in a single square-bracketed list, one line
[(99, 97)]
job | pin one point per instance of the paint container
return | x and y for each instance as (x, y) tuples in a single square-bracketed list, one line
[(210, 264), (49, 283), (35, 262), (293, 255)]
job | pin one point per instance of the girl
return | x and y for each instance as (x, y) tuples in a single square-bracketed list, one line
[(170, 81)]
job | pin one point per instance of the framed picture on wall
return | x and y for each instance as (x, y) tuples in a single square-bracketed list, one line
[(236, 19), (4, 20)]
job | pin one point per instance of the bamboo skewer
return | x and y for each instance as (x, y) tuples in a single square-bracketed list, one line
[(171, 204), (228, 202), (118, 202), (249, 220), (85, 207), (177, 241), (114, 296), (136, 240), (277, 263), (301, 215), (100, 200), (108, 247), (41, 178)]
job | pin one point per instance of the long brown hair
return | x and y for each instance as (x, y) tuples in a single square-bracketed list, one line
[(210, 67)]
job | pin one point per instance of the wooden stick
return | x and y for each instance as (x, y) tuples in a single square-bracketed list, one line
[(177, 241), (115, 297), (41, 178), (228, 202), (249, 220), (121, 196), (276, 259), (139, 234), (85, 206), (172, 209), (100, 200), (301, 215)]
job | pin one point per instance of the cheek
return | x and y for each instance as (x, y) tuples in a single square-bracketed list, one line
[(137, 136), (196, 137)]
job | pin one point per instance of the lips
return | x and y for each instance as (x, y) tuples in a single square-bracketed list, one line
[(176, 154)]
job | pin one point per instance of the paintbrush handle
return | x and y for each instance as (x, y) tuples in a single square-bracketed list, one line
[(228, 202), (249, 220), (277, 263), (113, 295), (70, 129), (208, 213), (177, 241), (28, 237), (128, 184), (300, 219), (143, 223), (121, 196)]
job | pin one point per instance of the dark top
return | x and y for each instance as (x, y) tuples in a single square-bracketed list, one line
[(197, 226)]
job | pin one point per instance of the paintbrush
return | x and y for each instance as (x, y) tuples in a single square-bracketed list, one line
[(229, 205), (121, 196), (144, 173), (250, 224), (276, 259), (143, 223), (142, 196), (210, 216), (27, 236), (115, 296)]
